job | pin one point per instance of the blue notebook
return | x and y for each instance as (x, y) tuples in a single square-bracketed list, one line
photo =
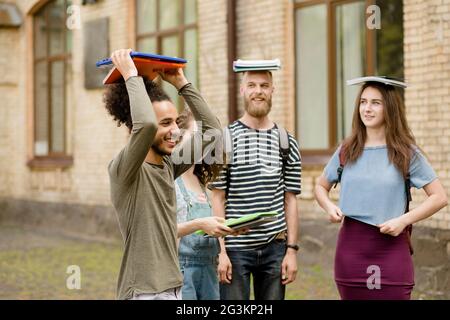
[(150, 56)]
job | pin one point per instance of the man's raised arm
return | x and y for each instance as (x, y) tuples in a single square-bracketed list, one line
[(126, 165), (209, 123)]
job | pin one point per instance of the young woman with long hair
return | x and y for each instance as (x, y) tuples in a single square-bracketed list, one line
[(376, 165), (197, 254)]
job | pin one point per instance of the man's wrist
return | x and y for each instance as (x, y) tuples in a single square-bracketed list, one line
[(292, 247), (127, 77), (180, 84), (130, 74)]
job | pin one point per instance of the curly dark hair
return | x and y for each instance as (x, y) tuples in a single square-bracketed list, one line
[(118, 104), (206, 173)]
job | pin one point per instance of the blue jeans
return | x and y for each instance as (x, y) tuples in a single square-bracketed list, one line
[(198, 254), (200, 281), (264, 264)]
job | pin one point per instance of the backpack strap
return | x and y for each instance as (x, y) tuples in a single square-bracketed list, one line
[(408, 192), (184, 191), (283, 138), (340, 169), (408, 228), (408, 200), (228, 149), (228, 143)]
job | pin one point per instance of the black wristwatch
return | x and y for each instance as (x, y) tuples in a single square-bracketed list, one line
[(293, 246)]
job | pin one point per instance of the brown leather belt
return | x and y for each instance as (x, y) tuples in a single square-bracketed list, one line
[(281, 236)]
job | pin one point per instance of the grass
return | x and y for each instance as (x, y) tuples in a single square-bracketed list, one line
[(312, 283), (33, 265)]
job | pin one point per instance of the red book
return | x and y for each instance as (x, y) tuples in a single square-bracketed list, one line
[(147, 68)]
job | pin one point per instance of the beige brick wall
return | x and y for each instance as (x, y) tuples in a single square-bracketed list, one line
[(12, 130), (213, 59), (10, 107), (96, 137), (263, 28), (427, 69)]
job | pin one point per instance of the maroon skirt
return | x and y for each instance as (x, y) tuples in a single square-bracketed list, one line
[(372, 265)]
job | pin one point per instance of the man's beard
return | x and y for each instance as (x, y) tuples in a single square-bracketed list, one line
[(157, 148), (259, 111)]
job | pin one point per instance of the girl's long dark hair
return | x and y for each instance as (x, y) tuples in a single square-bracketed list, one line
[(399, 138), (206, 173)]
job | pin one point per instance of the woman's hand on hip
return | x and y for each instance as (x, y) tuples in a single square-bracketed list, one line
[(335, 214), (393, 227)]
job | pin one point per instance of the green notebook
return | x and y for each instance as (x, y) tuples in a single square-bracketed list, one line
[(247, 221)]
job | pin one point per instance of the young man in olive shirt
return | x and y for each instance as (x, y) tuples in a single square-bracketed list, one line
[(142, 182)]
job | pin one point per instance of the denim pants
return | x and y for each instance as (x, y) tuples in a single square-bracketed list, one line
[(264, 264), (200, 281), (198, 255)]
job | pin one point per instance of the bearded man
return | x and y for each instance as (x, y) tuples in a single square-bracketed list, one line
[(258, 180)]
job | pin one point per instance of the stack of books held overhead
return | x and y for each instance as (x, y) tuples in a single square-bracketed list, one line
[(381, 79), (147, 64), (256, 65)]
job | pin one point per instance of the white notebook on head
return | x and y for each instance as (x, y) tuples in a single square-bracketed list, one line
[(385, 80), (255, 65)]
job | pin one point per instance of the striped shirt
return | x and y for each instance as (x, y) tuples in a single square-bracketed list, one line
[(256, 182)]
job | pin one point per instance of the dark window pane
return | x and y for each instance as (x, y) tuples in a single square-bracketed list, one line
[(51, 39), (165, 19), (389, 39), (57, 106), (190, 11), (350, 60), (40, 35), (312, 77), (169, 14), (56, 19), (146, 16), (41, 147), (147, 45), (170, 47)]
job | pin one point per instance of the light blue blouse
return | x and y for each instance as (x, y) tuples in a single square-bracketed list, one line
[(372, 188)]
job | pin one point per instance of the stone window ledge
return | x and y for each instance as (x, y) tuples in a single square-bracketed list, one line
[(50, 162)]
